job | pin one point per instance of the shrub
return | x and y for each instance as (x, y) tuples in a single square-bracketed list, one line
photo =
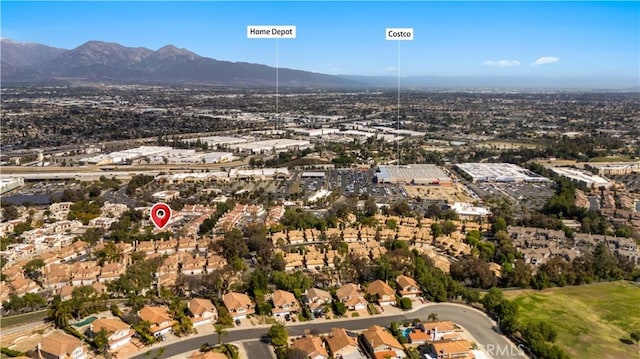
[(405, 303)]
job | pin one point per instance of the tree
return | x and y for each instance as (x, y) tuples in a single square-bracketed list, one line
[(92, 235), (448, 228), (370, 207), (449, 215), (635, 336), (436, 230), (33, 301), (500, 224), (505, 251), (221, 332), (339, 308), (109, 254), (492, 300), (432, 317), (233, 244), (183, 323), (540, 331), (278, 263), (519, 275), (60, 312), (101, 342), (433, 211), (391, 223), (474, 272), (291, 281), (10, 212), (278, 335), (32, 268), (605, 263), (405, 303)]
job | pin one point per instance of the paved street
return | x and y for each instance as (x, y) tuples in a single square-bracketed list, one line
[(474, 321)]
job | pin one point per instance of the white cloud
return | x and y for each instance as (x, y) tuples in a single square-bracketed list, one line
[(391, 68), (545, 60), (501, 63)]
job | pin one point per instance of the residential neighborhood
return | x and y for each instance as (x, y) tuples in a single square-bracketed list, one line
[(175, 184)]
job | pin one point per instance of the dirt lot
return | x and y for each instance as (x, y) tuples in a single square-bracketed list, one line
[(451, 194)]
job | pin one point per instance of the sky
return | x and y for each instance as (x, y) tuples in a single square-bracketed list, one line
[(548, 39)]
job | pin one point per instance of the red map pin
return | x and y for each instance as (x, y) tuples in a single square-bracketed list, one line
[(160, 215)]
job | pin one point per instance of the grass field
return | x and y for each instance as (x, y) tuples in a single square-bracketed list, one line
[(7, 322), (593, 321), (613, 159)]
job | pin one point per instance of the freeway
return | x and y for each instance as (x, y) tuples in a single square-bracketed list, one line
[(472, 320)]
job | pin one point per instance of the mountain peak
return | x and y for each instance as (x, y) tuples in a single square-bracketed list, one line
[(95, 43), (172, 51)]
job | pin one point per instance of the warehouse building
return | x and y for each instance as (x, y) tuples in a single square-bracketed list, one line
[(420, 174), (582, 178), (499, 172), (619, 169), (10, 183), (270, 146)]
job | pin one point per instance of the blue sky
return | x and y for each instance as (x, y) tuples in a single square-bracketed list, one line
[(582, 39)]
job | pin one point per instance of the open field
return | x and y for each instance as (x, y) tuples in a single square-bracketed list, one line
[(451, 194), (10, 321), (616, 159), (593, 321)]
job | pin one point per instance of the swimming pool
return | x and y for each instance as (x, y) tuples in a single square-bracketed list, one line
[(85, 322), (405, 332)]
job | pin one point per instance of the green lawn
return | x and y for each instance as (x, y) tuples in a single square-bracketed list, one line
[(10, 321), (612, 159), (593, 321)]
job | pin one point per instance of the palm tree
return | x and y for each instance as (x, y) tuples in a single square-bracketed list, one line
[(432, 317), (60, 312), (221, 331)]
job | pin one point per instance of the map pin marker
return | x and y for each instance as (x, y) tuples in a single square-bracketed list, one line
[(160, 215)]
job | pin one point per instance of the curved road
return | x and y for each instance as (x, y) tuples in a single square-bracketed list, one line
[(472, 320)]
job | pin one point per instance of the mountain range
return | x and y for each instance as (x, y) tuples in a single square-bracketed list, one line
[(97, 61), (107, 62)]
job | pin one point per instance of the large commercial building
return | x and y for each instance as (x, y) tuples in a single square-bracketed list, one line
[(182, 156), (469, 211), (269, 146), (126, 155), (582, 178), (424, 174), (499, 172), (315, 132), (611, 169), (10, 183), (233, 174)]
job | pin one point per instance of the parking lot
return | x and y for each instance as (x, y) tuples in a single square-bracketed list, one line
[(529, 195), (353, 182)]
